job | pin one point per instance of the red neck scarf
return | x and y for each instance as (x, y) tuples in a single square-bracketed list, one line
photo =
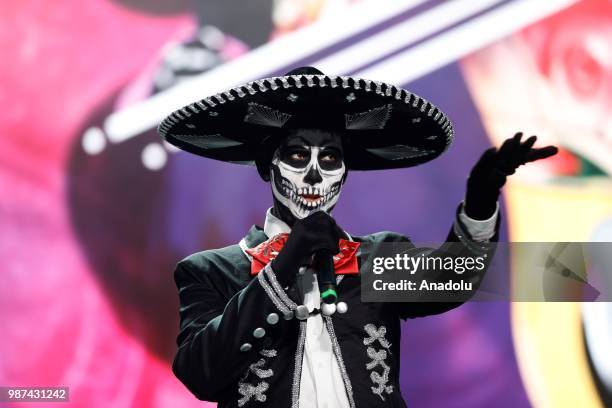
[(345, 261)]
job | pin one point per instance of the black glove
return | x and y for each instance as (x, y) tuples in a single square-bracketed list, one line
[(308, 235), (490, 172)]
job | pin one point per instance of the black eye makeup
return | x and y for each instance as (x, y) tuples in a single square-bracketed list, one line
[(295, 156), (330, 158)]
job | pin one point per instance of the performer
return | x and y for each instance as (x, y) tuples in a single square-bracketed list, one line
[(253, 331)]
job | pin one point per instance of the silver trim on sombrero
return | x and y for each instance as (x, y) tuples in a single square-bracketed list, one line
[(259, 114), (378, 88), (424, 105), (285, 82), (375, 118), (295, 81), (250, 89), (399, 152), (309, 81), (212, 141), (262, 85)]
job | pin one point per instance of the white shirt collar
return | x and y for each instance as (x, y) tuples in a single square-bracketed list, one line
[(274, 226)]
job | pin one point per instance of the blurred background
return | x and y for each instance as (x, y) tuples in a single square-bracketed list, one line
[(95, 210)]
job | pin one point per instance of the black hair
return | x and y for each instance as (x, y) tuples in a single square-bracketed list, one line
[(263, 157)]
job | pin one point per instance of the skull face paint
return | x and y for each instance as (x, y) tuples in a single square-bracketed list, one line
[(307, 172)]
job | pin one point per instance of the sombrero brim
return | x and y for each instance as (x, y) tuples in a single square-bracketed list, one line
[(383, 126)]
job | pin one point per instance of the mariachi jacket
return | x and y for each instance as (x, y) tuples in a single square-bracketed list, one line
[(241, 343)]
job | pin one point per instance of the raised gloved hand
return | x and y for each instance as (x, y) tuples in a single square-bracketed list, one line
[(308, 235), (494, 166)]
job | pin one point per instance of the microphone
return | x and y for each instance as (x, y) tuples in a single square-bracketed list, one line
[(326, 277)]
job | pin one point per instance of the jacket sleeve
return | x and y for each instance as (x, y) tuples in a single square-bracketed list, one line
[(459, 243), (220, 337)]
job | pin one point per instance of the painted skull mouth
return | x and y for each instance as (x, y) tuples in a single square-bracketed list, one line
[(308, 198)]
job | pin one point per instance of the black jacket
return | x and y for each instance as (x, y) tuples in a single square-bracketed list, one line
[(221, 306)]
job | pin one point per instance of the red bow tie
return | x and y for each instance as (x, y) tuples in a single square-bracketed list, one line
[(345, 261)]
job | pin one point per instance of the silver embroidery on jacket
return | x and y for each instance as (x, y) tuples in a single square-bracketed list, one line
[(278, 288), (250, 391), (271, 294), (338, 353), (378, 358), (297, 370)]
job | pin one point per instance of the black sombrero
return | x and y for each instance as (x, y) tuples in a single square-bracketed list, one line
[(383, 126)]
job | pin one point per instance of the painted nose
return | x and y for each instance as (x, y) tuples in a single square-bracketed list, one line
[(313, 177)]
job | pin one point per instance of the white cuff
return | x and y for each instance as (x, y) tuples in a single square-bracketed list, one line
[(479, 230)]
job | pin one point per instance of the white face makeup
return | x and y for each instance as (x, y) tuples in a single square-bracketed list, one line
[(307, 180)]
